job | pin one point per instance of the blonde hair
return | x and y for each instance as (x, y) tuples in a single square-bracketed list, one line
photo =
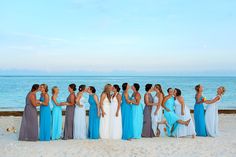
[(107, 92), (54, 89), (45, 87), (223, 89)]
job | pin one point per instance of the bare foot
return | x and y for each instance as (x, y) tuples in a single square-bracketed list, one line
[(193, 136)]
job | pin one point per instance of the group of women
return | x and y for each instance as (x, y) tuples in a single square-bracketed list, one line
[(117, 116)]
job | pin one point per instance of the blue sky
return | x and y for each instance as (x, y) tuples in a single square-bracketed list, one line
[(151, 37)]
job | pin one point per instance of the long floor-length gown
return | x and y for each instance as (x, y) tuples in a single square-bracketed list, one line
[(94, 119), (147, 119), (199, 119), (115, 121), (29, 123), (171, 117), (183, 130), (69, 120), (156, 118), (80, 129), (105, 121), (45, 122), (137, 111), (127, 119), (56, 121), (211, 119)]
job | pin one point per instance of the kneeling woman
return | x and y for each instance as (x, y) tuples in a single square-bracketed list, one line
[(171, 118), (183, 112)]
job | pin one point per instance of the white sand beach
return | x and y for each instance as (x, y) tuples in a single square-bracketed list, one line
[(222, 146)]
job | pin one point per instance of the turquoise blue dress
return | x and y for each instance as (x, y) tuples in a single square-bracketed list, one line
[(199, 118), (44, 122), (56, 122), (127, 119), (137, 112), (171, 117), (94, 120)]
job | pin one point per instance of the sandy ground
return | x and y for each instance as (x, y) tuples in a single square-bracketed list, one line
[(222, 146)]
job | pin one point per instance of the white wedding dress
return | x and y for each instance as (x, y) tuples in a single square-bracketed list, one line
[(115, 122), (80, 129), (105, 121), (211, 119), (183, 130), (156, 118)]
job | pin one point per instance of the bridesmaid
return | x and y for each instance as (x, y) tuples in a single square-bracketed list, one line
[(211, 115), (115, 122), (45, 115), (126, 112), (137, 110), (199, 115), (183, 112), (157, 110), (147, 120), (94, 114), (56, 115), (105, 104), (172, 119), (69, 116), (29, 122), (80, 115)]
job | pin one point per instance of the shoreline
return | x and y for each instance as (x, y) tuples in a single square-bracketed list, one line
[(15, 113)]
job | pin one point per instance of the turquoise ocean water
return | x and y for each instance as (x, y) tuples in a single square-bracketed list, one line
[(14, 89)]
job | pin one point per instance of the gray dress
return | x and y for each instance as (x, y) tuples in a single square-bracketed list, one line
[(69, 120), (29, 123), (147, 120)]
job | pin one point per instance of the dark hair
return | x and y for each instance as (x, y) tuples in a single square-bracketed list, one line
[(117, 87), (168, 89), (197, 87), (35, 87), (124, 86), (93, 90), (148, 87), (82, 88), (178, 92), (136, 86), (73, 86)]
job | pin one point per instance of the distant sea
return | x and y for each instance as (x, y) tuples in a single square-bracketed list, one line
[(13, 89)]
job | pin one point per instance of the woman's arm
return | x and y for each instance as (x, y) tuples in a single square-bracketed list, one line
[(160, 99), (97, 103), (217, 98), (79, 95), (119, 102), (103, 96), (137, 98), (72, 98), (33, 100), (46, 100), (198, 100), (146, 100), (181, 101), (163, 103), (127, 98), (54, 99)]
